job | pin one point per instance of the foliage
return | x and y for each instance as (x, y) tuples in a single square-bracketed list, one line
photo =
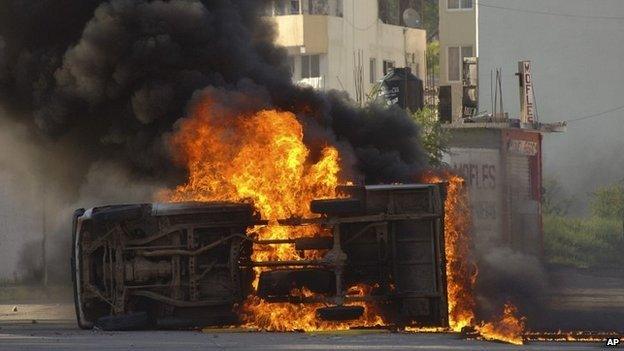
[(433, 57), (431, 18), (555, 201), (583, 243), (390, 12), (608, 201), (434, 138)]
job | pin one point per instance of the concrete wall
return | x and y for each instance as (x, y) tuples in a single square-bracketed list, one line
[(309, 31), (358, 29), (21, 220), (503, 176), (577, 71)]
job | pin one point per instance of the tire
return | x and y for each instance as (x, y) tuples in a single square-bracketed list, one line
[(336, 206), (131, 321)]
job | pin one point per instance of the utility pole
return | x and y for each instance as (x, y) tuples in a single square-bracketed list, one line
[(44, 239)]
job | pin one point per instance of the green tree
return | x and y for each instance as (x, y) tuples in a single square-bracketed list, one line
[(433, 136), (594, 241), (433, 58), (608, 201), (555, 201), (431, 18)]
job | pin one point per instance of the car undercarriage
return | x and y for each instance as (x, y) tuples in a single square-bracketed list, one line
[(186, 265)]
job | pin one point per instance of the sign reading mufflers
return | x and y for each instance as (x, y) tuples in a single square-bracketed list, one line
[(527, 101), (482, 172)]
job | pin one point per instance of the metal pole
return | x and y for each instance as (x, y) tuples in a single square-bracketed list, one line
[(44, 263)]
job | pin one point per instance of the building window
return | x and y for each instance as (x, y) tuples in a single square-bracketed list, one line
[(286, 7), (338, 8), (387, 66), (373, 70), (294, 7), (291, 65), (456, 55), (310, 66), (267, 9), (322, 7), (318, 7), (459, 4)]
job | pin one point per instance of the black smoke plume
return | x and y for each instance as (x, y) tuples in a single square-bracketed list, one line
[(111, 78)]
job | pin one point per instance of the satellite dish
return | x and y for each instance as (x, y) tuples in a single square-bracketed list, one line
[(411, 18)]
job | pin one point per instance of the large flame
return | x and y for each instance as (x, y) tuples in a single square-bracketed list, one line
[(462, 272), (299, 316), (261, 156)]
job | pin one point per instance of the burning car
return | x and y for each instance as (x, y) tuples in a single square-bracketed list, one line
[(379, 249)]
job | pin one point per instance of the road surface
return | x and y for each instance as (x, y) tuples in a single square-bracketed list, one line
[(52, 327)]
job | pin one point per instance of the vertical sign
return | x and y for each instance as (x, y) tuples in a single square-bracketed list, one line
[(527, 103)]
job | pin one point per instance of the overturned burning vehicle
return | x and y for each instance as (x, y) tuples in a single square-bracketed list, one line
[(195, 264)]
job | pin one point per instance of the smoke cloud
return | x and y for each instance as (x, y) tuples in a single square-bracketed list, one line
[(96, 88), (39, 192), (121, 72), (505, 276)]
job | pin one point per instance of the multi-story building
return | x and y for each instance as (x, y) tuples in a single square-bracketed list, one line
[(349, 45), (458, 39)]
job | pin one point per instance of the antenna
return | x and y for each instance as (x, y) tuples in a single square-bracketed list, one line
[(411, 18)]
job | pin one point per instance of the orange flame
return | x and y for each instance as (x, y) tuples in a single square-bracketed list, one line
[(299, 316), (261, 157), (571, 336), (460, 272), (508, 328)]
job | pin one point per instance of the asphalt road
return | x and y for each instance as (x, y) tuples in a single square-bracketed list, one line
[(51, 327)]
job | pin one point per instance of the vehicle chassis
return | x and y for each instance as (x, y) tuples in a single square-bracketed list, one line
[(189, 265)]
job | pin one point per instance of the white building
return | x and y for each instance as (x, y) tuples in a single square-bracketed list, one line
[(458, 38), (348, 44), (576, 51)]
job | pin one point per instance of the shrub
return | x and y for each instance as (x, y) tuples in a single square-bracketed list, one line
[(583, 242)]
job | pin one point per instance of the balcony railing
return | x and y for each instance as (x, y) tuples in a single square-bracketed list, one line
[(305, 7), (314, 82)]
